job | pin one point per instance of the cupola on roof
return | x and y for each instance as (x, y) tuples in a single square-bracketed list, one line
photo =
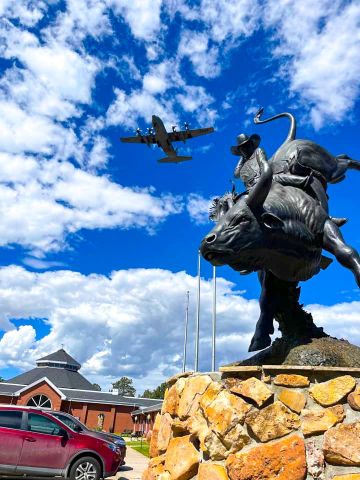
[(59, 359)]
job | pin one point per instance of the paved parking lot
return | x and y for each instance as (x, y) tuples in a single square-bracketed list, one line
[(136, 463)]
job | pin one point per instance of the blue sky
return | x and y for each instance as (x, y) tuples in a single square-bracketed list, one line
[(98, 241)]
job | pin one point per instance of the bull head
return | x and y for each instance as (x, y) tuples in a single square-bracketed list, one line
[(238, 235)]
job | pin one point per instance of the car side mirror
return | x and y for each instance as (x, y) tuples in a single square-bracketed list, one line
[(78, 429), (63, 433)]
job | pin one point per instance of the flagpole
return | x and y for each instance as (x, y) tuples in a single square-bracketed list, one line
[(186, 330), (197, 329), (214, 322)]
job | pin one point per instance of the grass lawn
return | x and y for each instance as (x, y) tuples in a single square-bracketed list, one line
[(142, 447)]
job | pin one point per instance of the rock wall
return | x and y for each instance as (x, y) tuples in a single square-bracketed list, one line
[(257, 423)]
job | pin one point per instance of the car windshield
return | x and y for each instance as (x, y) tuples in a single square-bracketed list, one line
[(71, 422)]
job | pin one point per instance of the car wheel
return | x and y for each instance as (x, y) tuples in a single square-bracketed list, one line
[(86, 468)]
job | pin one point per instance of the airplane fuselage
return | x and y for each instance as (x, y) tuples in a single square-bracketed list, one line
[(161, 136)]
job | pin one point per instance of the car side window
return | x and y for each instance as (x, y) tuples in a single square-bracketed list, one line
[(40, 424), (10, 419), (70, 423)]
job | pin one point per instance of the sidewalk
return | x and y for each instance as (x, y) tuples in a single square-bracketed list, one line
[(136, 463)]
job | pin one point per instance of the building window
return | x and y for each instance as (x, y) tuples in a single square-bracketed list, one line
[(40, 401)]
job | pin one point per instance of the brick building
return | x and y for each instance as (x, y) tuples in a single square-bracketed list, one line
[(56, 384)]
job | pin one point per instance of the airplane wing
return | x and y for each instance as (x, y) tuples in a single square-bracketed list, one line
[(146, 139), (186, 134)]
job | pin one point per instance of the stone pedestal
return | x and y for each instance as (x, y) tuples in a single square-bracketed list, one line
[(274, 422)]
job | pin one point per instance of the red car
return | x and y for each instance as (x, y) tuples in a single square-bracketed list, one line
[(33, 442)]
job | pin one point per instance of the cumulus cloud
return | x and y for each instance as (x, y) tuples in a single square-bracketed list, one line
[(198, 208), (319, 47), (48, 200), (135, 319)]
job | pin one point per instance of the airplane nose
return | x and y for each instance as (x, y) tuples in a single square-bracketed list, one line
[(211, 238)]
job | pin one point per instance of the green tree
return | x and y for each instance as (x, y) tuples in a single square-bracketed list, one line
[(97, 386), (158, 392), (125, 387), (1, 379)]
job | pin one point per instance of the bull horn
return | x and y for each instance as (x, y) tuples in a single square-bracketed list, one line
[(260, 191)]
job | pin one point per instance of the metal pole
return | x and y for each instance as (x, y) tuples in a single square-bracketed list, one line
[(186, 330), (197, 330), (214, 322)]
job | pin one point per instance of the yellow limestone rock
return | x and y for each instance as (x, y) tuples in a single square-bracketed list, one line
[(333, 391), (216, 446), (190, 397), (318, 421), (211, 471), (226, 411), (155, 468), (349, 476), (291, 380), (294, 400), (165, 432), (342, 444), (172, 397), (252, 388), (235, 439), (281, 460), (154, 450), (354, 399), (272, 422), (211, 393), (182, 458)]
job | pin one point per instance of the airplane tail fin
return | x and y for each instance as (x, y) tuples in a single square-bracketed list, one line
[(174, 159)]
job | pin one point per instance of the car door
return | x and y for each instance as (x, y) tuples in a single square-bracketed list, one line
[(11, 439), (45, 448)]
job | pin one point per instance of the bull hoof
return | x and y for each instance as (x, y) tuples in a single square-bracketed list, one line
[(259, 343)]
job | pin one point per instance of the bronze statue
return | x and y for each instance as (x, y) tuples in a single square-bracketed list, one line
[(280, 226)]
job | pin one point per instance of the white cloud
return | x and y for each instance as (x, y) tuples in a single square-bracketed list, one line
[(195, 46), (198, 208), (44, 198), (319, 47), (48, 200), (143, 16), (134, 318), (27, 11)]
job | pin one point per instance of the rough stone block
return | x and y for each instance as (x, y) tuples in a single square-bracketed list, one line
[(154, 450), (182, 458), (281, 460), (211, 393), (342, 444), (296, 401), (318, 421), (333, 391), (291, 380), (172, 398), (165, 432), (315, 460), (252, 388), (349, 476), (272, 422), (354, 399), (211, 471), (226, 411), (190, 397)]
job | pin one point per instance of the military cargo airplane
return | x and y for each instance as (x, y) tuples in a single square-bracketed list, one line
[(157, 135)]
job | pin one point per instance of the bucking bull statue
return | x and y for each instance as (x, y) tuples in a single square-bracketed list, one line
[(279, 227)]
